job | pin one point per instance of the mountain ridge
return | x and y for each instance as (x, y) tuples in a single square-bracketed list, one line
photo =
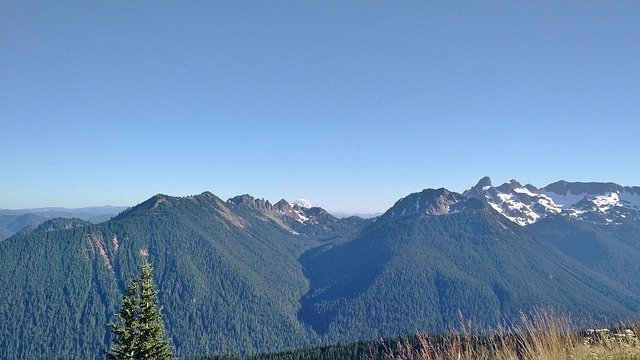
[(251, 275)]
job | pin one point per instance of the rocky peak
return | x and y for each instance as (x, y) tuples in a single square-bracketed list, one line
[(250, 201), (509, 187), (482, 185), (431, 202), (596, 202), (485, 181), (283, 206)]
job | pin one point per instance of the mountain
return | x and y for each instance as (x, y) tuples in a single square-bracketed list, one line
[(13, 221), (601, 203), (597, 202), (522, 205), (84, 213), (305, 203), (245, 275), (227, 273), (418, 269), (612, 250), (313, 222), (342, 214), (430, 202)]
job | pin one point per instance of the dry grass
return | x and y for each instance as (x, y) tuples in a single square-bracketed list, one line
[(542, 336)]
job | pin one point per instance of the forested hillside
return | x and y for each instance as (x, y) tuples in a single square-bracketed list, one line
[(611, 250), (419, 271), (245, 276), (227, 280)]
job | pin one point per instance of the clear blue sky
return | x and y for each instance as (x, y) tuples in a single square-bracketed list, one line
[(352, 104)]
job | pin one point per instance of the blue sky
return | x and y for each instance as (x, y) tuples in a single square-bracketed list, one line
[(352, 104)]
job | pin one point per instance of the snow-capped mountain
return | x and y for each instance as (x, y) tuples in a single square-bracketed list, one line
[(522, 204), (304, 203), (598, 202), (601, 203), (525, 204)]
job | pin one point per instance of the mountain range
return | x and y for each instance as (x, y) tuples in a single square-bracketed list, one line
[(13, 221), (245, 275)]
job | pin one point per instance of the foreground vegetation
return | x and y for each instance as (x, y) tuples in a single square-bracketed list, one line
[(541, 336)]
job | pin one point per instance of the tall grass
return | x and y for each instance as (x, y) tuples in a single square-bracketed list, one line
[(541, 336)]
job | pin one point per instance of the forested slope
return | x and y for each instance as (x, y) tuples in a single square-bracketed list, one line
[(418, 271)]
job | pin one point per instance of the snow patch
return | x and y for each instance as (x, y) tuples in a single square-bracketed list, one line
[(524, 190), (606, 202), (304, 203), (301, 218), (564, 201)]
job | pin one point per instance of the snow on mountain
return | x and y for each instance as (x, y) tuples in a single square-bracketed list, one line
[(565, 201), (598, 202), (304, 203), (602, 203), (524, 205)]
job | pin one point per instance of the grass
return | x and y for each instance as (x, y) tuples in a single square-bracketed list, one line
[(541, 336)]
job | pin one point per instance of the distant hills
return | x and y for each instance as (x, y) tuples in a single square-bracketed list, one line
[(245, 275), (13, 221)]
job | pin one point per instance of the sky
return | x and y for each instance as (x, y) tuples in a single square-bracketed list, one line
[(351, 104)]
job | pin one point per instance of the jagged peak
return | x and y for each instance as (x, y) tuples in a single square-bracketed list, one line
[(250, 201), (242, 199), (439, 201), (509, 186), (483, 183), (208, 194), (282, 205)]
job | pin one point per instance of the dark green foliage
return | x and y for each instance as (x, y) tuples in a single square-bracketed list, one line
[(365, 350), (233, 280), (369, 350), (216, 357), (152, 342), (326, 227), (228, 281), (612, 250), (61, 224), (140, 332), (418, 272), (126, 333)]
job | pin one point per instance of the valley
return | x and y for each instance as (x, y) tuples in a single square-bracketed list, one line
[(247, 276)]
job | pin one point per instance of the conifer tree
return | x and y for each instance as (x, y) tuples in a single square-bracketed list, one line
[(126, 333), (140, 332), (152, 342)]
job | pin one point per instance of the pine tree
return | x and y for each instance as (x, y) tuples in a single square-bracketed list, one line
[(152, 342), (140, 334), (126, 335)]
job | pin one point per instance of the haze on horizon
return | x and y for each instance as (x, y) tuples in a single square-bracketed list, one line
[(351, 105)]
